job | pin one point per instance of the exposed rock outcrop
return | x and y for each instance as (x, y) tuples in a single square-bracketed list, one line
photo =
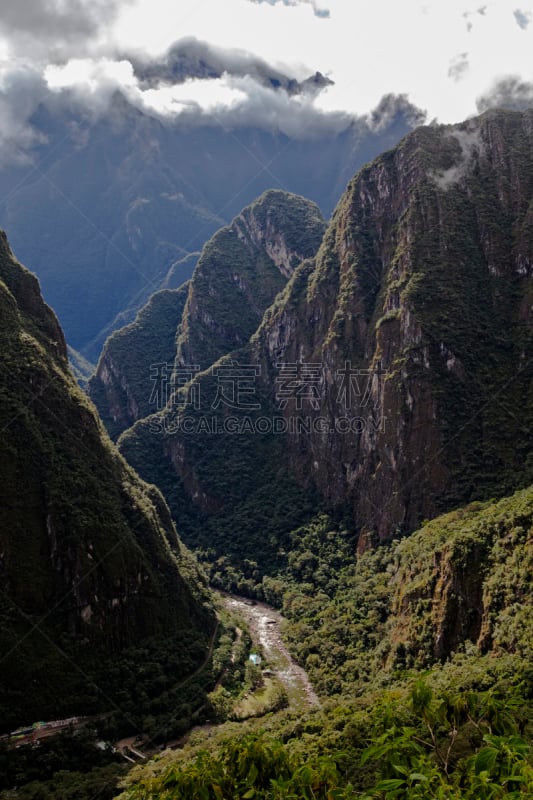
[(395, 366)]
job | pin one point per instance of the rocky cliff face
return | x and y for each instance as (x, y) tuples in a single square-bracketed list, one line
[(90, 562), (419, 305), (396, 364), (132, 360), (465, 577), (459, 585), (240, 272)]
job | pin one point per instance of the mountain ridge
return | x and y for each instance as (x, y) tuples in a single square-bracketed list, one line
[(423, 289), (90, 562), (124, 195)]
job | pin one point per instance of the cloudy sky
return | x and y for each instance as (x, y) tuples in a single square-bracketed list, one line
[(248, 59)]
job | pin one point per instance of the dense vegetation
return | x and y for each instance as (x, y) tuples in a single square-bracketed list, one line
[(416, 634), (126, 386), (93, 578), (425, 701), (419, 287), (413, 746), (240, 272), (61, 768)]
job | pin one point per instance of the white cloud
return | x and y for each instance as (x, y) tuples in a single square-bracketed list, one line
[(90, 75), (523, 18), (471, 145), (458, 66), (55, 28), (441, 56), (509, 92), (320, 10)]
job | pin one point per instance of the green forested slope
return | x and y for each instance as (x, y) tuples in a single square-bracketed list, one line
[(133, 358), (90, 563), (421, 652), (416, 317)]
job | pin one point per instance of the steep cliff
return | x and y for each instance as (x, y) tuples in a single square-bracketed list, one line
[(467, 576), (394, 371), (418, 311), (240, 272), (90, 562), (461, 584), (132, 360)]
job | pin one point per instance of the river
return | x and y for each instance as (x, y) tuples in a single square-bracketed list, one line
[(265, 624)]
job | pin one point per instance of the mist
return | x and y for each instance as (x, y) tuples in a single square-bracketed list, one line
[(193, 84), (511, 92)]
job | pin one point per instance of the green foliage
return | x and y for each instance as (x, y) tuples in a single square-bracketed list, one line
[(402, 725), (91, 564), (251, 768), (422, 275), (236, 278), (233, 526), (463, 578), (123, 385), (463, 746), (99, 782), (63, 767)]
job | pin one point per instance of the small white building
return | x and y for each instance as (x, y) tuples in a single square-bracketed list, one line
[(255, 659)]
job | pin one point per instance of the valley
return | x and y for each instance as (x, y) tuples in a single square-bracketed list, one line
[(244, 607)]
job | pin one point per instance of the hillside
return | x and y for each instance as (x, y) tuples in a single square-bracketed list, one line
[(389, 381), (461, 583), (408, 335), (421, 653), (240, 272), (91, 567), (121, 388)]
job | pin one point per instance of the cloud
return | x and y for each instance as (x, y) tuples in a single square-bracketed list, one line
[(390, 108), (244, 92), (90, 83), (523, 18), (191, 58), (55, 26), (241, 100), (319, 10), (198, 84), (21, 91), (458, 67), (471, 145), (511, 92), (481, 12), (235, 101)]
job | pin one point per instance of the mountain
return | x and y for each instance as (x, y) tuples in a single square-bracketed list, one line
[(238, 274), (91, 567), (393, 373), (462, 579), (82, 369), (114, 201), (122, 387)]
